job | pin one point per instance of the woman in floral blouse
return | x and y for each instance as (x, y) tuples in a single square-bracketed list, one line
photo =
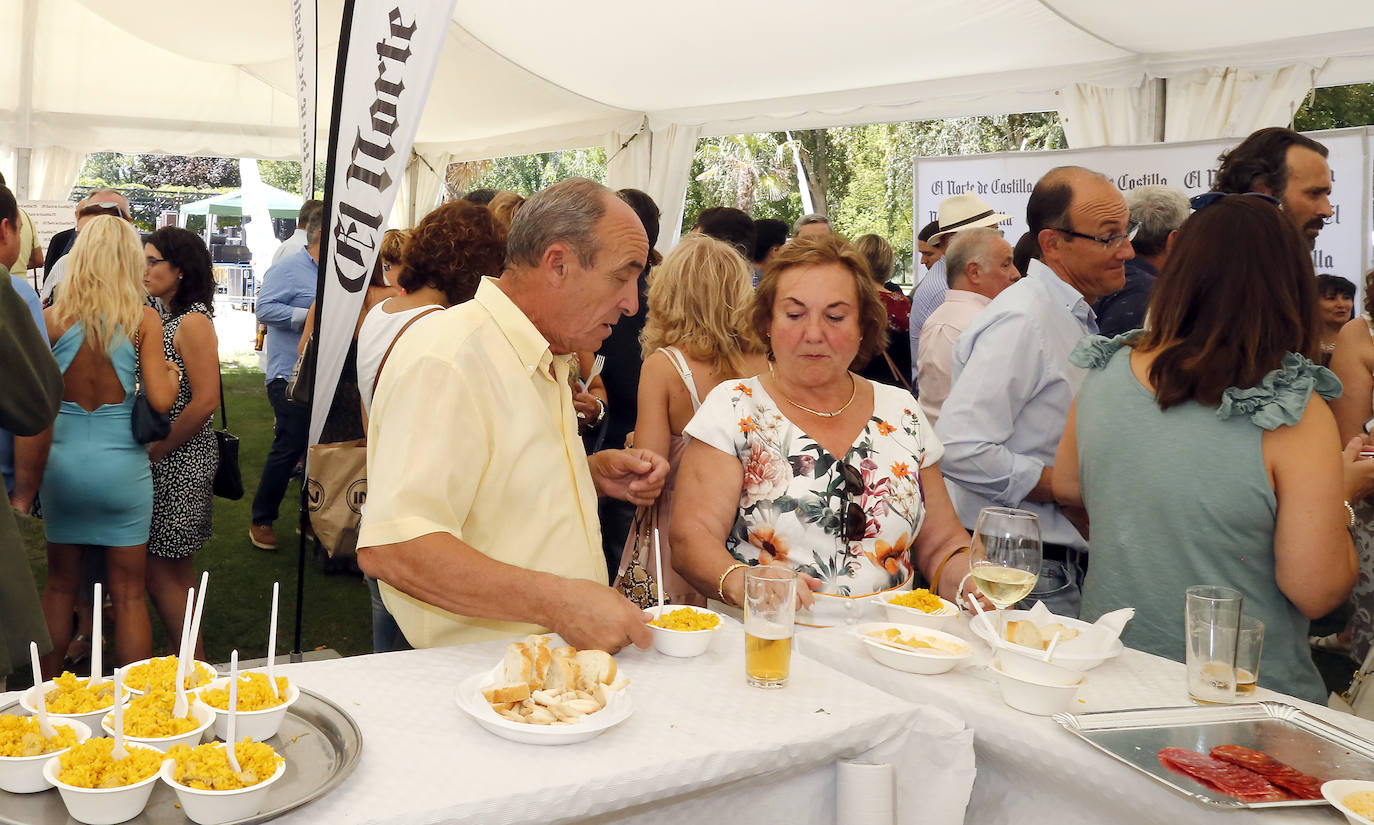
[(810, 466)]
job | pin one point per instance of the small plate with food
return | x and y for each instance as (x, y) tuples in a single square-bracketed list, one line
[(913, 649), (919, 607), (1082, 646), (543, 693)]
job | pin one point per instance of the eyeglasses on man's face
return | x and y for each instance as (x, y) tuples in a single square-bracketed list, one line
[(1111, 242)]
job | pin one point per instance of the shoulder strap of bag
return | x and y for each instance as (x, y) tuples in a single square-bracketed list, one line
[(378, 377), (223, 404), (896, 373)]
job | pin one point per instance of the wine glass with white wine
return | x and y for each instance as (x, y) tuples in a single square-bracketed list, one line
[(1005, 557)]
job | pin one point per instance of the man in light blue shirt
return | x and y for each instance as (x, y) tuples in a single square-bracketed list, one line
[(288, 289), (1013, 383)]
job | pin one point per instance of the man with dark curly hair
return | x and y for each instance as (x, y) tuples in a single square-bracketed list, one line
[(1285, 165), (481, 518)]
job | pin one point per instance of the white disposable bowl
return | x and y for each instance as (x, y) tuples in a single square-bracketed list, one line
[(683, 644), (1035, 697), (102, 806), (24, 774), (1037, 669), (913, 661), (214, 807), (254, 724), (28, 700), (138, 690), (909, 615), (1338, 789), (985, 628), (204, 715)]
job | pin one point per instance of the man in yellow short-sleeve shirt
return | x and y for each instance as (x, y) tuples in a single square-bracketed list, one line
[(481, 519)]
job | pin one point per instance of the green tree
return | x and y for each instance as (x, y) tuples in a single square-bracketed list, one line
[(286, 176), (740, 170), (528, 174), (1336, 107)]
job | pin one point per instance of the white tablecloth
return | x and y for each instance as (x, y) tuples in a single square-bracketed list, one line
[(701, 746), (1031, 771)]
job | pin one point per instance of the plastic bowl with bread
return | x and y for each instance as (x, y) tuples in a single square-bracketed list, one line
[(547, 693), (1034, 696), (937, 619), (683, 644), (913, 649), (1082, 646)]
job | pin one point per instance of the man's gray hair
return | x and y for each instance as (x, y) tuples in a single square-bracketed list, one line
[(1159, 210), (806, 220), (566, 212), (969, 245), (125, 209)]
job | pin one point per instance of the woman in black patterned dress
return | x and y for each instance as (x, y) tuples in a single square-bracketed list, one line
[(184, 462)]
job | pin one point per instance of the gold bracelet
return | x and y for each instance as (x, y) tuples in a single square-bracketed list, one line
[(1351, 511), (939, 570), (720, 586)]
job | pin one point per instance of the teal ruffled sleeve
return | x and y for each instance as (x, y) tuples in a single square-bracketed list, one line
[(1094, 351), (1281, 397)]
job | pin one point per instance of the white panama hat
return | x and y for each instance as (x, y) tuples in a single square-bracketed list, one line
[(965, 212)]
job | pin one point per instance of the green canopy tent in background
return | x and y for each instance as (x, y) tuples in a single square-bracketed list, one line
[(279, 204)]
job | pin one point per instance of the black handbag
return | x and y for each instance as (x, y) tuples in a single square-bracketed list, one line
[(148, 424), (300, 387), (228, 480)]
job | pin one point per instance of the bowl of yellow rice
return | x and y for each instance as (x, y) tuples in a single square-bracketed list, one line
[(260, 713), (97, 789), (1352, 797), (208, 789), (920, 607), (159, 673), (72, 699), (148, 719), (24, 749), (683, 631)]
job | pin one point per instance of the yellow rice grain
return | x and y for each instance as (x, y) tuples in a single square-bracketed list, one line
[(920, 599), (1361, 802), (254, 693), (150, 716), (20, 736), (685, 618), (160, 674), (88, 765), (73, 695), (206, 767)]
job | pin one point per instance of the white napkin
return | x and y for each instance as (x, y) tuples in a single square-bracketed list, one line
[(1108, 627)]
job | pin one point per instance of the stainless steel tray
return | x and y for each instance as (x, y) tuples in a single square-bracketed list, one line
[(1282, 731), (320, 741)]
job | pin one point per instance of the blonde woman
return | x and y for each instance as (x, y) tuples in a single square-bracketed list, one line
[(504, 206), (97, 487), (693, 340)]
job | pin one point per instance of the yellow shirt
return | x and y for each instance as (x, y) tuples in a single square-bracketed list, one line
[(473, 434)]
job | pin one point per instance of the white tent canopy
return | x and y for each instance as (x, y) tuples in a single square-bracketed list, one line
[(521, 76)]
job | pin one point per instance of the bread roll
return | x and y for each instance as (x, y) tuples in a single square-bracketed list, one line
[(519, 664), (597, 666), (507, 694), (563, 675), (1025, 633)]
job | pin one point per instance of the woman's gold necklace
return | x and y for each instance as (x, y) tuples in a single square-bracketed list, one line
[(853, 392)]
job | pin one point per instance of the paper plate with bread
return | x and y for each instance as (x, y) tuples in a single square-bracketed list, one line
[(546, 693), (1082, 646)]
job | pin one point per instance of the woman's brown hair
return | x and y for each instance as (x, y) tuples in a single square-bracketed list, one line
[(820, 251), (452, 249), (1235, 296)]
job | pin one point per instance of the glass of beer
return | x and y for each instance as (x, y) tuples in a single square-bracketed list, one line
[(770, 602)]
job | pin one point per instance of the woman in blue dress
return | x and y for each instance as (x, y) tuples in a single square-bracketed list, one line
[(97, 487)]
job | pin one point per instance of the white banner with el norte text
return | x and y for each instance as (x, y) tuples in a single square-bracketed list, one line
[(388, 52), (1005, 180), (304, 27)]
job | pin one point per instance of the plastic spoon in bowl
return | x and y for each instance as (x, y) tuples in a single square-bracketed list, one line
[(41, 705), (1049, 651), (182, 707), (118, 751), (97, 617), (230, 733), (272, 644), (195, 618), (658, 570)]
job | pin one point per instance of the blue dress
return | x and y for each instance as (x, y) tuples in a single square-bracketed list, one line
[(97, 488)]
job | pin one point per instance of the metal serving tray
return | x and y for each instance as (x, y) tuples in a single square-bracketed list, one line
[(1282, 731), (320, 741)]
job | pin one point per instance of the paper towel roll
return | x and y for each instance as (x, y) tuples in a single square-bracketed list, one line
[(863, 794)]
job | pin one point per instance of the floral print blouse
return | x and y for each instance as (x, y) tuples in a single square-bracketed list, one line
[(793, 498)]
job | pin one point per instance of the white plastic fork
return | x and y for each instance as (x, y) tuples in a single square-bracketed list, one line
[(118, 751), (42, 704), (230, 733)]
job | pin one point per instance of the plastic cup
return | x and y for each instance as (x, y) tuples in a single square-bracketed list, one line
[(1212, 625)]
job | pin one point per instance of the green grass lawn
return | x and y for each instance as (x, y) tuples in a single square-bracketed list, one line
[(238, 601)]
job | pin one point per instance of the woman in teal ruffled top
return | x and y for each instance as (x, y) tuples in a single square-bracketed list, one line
[(1205, 452)]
